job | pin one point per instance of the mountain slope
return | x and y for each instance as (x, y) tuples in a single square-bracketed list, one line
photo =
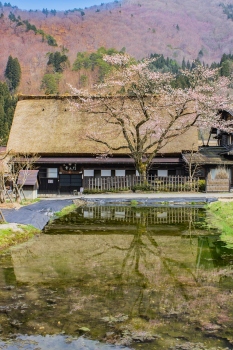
[(174, 28)]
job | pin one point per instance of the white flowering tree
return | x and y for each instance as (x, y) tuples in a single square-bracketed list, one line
[(146, 110)]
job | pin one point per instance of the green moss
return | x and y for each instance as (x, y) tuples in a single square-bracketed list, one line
[(29, 201), (66, 210), (9, 237)]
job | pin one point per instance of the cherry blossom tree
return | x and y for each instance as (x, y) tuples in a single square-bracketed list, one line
[(145, 111)]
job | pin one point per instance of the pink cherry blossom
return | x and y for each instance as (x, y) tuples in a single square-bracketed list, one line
[(146, 111)]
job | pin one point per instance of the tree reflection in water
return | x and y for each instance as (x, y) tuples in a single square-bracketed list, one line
[(156, 266), (137, 260)]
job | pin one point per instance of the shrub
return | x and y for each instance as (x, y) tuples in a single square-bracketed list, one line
[(86, 191), (113, 190), (201, 185), (142, 187)]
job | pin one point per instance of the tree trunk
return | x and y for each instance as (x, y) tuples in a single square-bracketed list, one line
[(2, 189), (142, 169), (2, 196)]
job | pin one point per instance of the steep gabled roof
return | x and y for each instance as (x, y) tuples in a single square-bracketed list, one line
[(208, 155), (27, 177), (230, 111), (47, 125)]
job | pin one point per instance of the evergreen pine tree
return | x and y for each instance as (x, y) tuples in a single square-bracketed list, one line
[(13, 73), (223, 59), (2, 122), (183, 64), (225, 69), (7, 108)]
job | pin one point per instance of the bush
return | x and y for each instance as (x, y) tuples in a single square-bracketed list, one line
[(91, 191), (201, 185), (113, 190), (142, 187)]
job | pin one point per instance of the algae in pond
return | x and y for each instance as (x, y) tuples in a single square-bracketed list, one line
[(155, 280)]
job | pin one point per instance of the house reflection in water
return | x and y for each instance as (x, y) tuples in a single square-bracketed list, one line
[(212, 252), (104, 235), (153, 265)]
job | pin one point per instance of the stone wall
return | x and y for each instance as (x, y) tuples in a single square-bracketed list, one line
[(217, 185)]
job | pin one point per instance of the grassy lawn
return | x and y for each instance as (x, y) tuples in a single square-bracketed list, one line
[(222, 218)]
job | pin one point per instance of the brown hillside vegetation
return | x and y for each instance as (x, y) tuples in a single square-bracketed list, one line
[(174, 28)]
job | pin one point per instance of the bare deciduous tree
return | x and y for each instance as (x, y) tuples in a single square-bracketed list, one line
[(193, 162), (10, 167)]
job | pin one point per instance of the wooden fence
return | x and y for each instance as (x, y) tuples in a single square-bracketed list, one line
[(151, 216), (153, 183)]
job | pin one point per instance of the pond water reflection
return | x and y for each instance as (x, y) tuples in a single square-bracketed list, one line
[(148, 278)]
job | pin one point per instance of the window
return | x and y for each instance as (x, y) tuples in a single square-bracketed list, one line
[(88, 172), (105, 172), (52, 172), (171, 172), (119, 172), (162, 172), (42, 172)]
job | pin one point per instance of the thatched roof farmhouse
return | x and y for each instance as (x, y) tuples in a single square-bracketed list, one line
[(48, 127)]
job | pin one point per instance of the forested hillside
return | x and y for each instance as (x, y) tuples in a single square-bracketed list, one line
[(174, 28), (44, 51)]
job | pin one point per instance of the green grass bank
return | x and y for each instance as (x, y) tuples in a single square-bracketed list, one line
[(221, 217), (66, 210), (12, 234)]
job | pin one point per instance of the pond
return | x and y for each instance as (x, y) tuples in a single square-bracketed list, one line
[(119, 277)]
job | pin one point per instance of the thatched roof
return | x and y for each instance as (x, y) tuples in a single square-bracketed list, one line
[(208, 155), (47, 125)]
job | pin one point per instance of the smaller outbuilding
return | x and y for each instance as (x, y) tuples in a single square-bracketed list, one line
[(28, 181)]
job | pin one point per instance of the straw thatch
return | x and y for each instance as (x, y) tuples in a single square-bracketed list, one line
[(208, 155), (47, 125)]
